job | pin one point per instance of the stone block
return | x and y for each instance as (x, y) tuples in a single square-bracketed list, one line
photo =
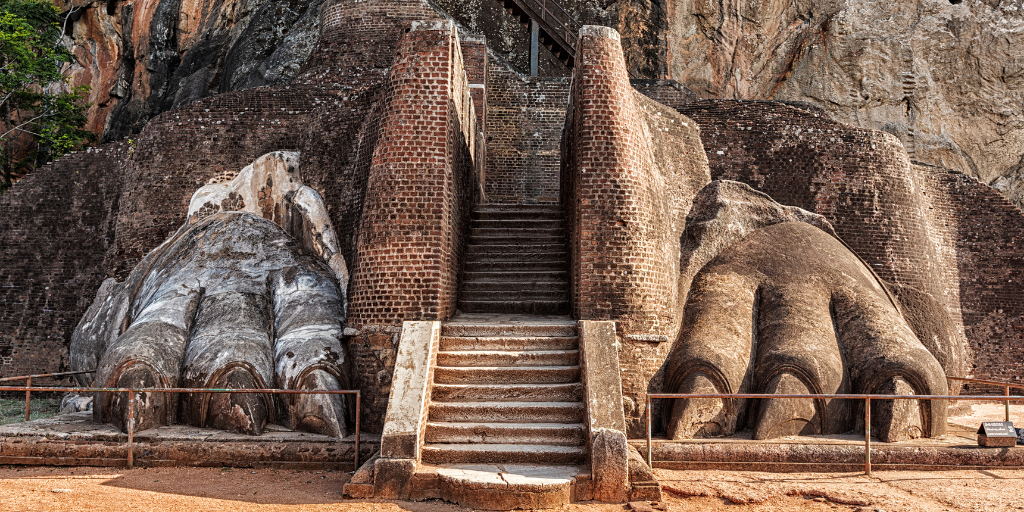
[(606, 422), (410, 391), (392, 477)]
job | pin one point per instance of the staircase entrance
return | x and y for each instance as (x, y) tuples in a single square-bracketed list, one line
[(516, 261)]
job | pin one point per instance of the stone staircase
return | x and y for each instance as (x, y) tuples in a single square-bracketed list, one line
[(507, 401), (516, 261)]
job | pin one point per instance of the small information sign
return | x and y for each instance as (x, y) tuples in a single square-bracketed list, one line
[(997, 433)]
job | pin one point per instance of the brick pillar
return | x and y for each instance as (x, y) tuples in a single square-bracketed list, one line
[(418, 190)]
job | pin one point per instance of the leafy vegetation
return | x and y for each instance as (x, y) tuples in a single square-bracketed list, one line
[(42, 117)]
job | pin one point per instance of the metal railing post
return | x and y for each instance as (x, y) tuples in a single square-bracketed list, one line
[(649, 462), (867, 436), (358, 406), (1007, 393), (28, 399), (131, 428)]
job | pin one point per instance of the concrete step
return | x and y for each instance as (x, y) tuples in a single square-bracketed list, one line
[(504, 265), (516, 307), (517, 223), (507, 375), (521, 253), (507, 412), (557, 434), (503, 453), (452, 343), (527, 277), (560, 329), (571, 392), (488, 358), (511, 232), (496, 284)]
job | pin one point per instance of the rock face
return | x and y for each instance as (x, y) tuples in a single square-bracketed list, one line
[(143, 57), (947, 78)]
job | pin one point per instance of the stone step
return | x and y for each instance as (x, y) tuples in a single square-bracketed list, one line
[(507, 486), (557, 434), (512, 210), (496, 284), (539, 276), (517, 223), (507, 412), (516, 307), (554, 295), (521, 253), (571, 392), (487, 358), (506, 375), (516, 233), (453, 343), (490, 264), (561, 329), (503, 453), (525, 239)]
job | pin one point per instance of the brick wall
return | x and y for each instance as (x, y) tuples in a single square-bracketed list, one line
[(630, 170), (417, 195), (990, 257), (56, 226), (524, 128)]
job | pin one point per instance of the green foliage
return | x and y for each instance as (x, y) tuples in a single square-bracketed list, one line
[(41, 118)]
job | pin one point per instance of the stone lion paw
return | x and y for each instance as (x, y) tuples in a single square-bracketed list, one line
[(232, 300), (779, 305)]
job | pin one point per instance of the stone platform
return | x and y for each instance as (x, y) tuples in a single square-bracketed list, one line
[(958, 449), (75, 440)]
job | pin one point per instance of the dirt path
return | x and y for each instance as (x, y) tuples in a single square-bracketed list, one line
[(191, 489)]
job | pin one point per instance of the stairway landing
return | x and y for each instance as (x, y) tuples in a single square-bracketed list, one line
[(505, 425)]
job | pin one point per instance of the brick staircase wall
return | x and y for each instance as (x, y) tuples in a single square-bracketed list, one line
[(524, 129), (631, 168)]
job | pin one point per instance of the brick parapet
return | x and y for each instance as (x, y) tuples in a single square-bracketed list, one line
[(630, 170), (525, 117), (420, 186)]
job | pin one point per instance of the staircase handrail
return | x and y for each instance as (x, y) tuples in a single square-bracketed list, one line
[(555, 20)]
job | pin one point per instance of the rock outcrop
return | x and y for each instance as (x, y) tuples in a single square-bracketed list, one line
[(144, 57), (945, 77)]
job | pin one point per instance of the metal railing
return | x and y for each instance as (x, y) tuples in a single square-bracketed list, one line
[(1006, 388), (867, 409), (28, 384), (131, 400), (554, 20)]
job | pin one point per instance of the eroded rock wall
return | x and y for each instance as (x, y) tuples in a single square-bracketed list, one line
[(945, 79), (144, 57)]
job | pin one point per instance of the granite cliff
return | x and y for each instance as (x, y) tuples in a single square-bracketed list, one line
[(945, 76)]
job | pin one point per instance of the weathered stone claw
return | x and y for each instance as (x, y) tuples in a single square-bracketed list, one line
[(700, 417), (246, 413), (780, 417), (897, 420), (320, 414), (150, 409)]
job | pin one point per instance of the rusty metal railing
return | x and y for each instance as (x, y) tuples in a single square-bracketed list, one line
[(28, 384), (1005, 385), (131, 401), (867, 409)]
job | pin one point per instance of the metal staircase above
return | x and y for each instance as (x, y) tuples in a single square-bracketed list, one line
[(551, 26)]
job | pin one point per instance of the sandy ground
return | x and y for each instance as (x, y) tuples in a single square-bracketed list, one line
[(191, 489)]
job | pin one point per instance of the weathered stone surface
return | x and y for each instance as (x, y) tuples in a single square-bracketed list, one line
[(945, 78), (230, 301), (507, 486), (143, 58), (409, 403), (790, 309), (606, 423)]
